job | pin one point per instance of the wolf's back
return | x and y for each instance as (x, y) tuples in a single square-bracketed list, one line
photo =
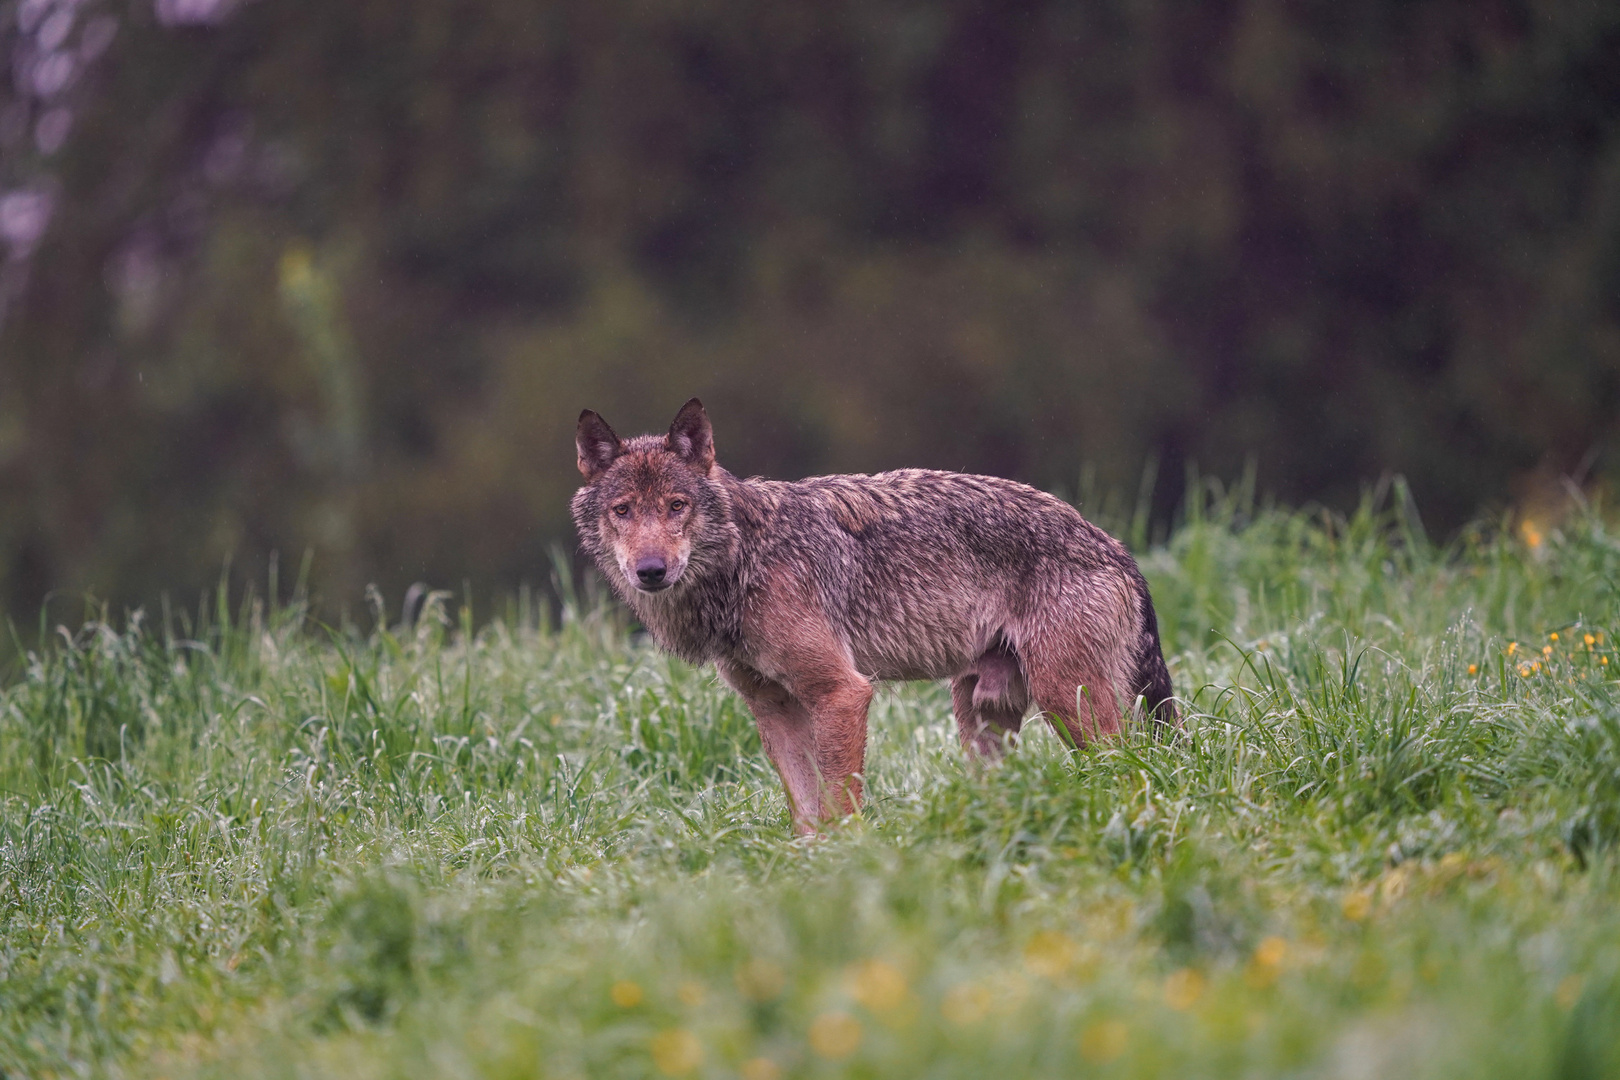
[(996, 525)]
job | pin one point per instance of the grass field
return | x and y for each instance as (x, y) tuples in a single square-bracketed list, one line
[(1382, 845)]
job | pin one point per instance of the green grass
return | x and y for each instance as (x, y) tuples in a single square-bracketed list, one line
[(245, 846)]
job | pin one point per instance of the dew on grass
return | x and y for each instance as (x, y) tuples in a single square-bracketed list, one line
[(181, 813)]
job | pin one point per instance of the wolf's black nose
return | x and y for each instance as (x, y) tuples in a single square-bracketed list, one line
[(651, 570)]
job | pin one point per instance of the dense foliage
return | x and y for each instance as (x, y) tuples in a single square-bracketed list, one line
[(340, 275), (1383, 844)]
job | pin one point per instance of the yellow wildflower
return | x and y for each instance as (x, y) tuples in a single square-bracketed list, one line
[(1103, 1041), (760, 980), (966, 1003), (1265, 963), (760, 1068), (1008, 991), (676, 1051), (1050, 954), (835, 1034), (877, 985), (1183, 988), (1271, 952)]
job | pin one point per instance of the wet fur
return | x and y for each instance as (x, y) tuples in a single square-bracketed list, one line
[(803, 593)]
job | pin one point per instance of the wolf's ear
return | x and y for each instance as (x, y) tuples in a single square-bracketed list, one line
[(596, 444), (691, 438)]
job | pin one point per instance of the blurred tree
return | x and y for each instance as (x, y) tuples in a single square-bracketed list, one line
[(339, 276)]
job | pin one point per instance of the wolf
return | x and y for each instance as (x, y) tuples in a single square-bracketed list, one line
[(803, 593)]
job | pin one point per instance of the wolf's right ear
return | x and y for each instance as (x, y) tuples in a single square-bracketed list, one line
[(596, 444)]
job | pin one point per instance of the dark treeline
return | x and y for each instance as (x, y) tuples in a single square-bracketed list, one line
[(339, 276)]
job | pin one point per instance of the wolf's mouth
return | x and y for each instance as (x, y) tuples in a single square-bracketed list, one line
[(660, 587)]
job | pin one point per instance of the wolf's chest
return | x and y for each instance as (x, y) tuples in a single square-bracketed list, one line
[(698, 625)]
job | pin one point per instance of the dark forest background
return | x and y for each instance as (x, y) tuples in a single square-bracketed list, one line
[(303, 275)]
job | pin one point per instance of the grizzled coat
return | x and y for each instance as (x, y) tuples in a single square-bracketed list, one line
[(802, 593)]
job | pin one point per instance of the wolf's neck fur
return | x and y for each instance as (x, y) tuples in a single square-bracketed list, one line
[(700, 618)]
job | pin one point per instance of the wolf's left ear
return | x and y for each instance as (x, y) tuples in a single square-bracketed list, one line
[(691, 438), (596, 445)]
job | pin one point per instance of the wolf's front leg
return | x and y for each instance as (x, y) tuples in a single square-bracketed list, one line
[(788, 735), (793, 644)]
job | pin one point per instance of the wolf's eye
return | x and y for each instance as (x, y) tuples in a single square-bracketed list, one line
[(677, 505), (622, 509)]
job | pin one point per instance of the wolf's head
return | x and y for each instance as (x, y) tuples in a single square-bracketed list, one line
[(650, 510)]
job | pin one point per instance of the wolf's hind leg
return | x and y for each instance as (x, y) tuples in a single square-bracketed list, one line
[(1082, 702), (1067, 685)]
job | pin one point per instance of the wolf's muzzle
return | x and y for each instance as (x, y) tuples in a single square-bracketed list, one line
[(650, 573)]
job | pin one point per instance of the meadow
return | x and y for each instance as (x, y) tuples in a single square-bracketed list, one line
[(235, 842)]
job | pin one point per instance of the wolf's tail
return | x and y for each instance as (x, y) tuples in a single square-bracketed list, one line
[(1152, 676)]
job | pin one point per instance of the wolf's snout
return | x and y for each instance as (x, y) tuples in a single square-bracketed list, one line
[(650, 571)]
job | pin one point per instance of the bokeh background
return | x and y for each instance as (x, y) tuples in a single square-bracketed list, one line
[(290, 276)]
